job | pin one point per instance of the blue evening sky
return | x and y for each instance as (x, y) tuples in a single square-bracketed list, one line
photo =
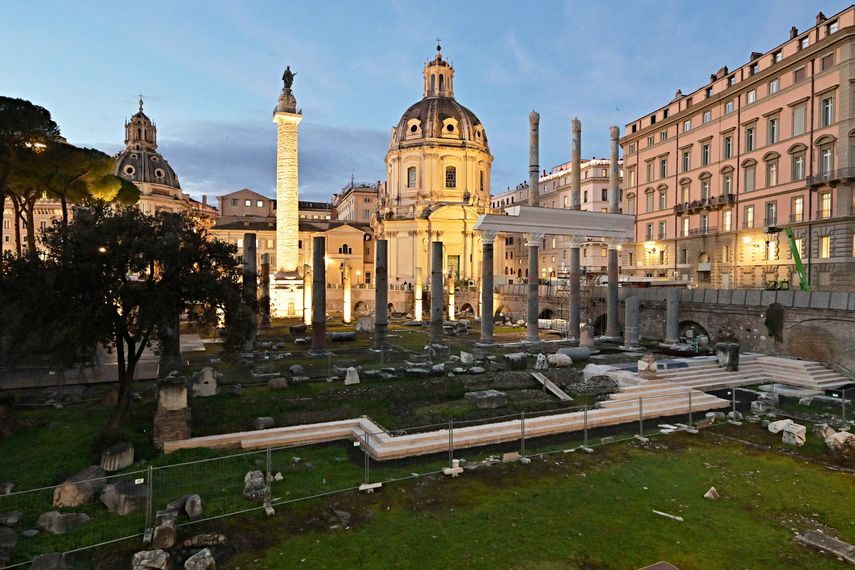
[(210, 73)]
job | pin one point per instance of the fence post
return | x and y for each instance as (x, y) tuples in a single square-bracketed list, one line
[(367, 459), (585, 420), (522, 433), (690, 407), (640, 418), (149, 526), (450, 443), (733, 400), (843, 404), (269, 477)]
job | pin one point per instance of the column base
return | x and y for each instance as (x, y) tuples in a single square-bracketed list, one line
[(610, 338), (485, 343), (670, 341), (631, 348)]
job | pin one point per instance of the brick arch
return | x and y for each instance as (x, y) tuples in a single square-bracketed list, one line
[(697, 327), (503, 310)]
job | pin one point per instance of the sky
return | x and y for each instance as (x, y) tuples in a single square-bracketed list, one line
[(210, 74)]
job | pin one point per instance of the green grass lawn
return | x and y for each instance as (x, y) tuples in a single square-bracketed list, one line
[(580, 511)]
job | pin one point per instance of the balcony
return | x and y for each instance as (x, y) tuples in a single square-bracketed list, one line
[(832, 176), (681, 208), (747, 224), (770, 221), (702, 231), (823, 214)]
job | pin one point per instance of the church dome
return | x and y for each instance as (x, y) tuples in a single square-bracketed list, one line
[(140, 162), (438, 115)]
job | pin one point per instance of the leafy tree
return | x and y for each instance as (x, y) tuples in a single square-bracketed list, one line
[(24, 128), (114, 276)]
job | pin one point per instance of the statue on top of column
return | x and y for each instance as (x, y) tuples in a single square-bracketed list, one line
[(288, 77)]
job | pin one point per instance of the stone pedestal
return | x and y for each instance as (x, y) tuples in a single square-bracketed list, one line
[(647, 367), (631, 335), (728, 355)]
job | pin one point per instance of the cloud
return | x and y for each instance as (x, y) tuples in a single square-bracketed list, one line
[(215, 158)]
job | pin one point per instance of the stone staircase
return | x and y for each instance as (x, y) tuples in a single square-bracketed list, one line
[(755, 369)]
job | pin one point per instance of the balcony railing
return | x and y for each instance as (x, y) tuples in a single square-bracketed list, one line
[(747, 224), (823, 214), (770, 221), (795, 218), (831, 176), (711, 203), (703, 231)]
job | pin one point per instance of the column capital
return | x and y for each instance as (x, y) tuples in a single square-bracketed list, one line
[(533, 240), (576, 241), (488, 236), (614, 243)]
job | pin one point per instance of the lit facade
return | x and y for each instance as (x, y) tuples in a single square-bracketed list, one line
[(357, 201), (768, 145)]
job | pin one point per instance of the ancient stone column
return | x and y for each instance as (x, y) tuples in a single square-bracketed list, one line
[(450, 286), (417, 294), (250, 288), (381, 292), (672, 314), (345, 284), (264, 302), (613, 309), (576, 158), (487, 239), (307, 294), (630, 334), (319, 293), (436, 320), (533, 243), (534, 159)]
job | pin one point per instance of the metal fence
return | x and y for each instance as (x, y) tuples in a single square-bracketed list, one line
[(125, 505)]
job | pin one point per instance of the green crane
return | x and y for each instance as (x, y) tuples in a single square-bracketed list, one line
[(794, 250)]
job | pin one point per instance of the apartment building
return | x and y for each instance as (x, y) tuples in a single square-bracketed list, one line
[(714, 175), (554, 251), (357, 201)]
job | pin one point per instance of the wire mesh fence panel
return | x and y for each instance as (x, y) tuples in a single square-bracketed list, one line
[(223, 484), (387, 460), (312, 470), (553, 431), (487, 440), (75, 515)]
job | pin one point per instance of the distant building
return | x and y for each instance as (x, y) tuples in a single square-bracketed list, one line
[(713, 173), (357, 201), (554, 192)]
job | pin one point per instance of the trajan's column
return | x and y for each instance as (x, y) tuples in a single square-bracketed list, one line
[(286, 295)]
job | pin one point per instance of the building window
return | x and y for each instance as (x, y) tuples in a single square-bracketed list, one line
[(749, 178), (777, 56), (705, 188), (728, 146), (727, 184), (825, 247), (481, 180), (771, 214), (604, 194), (749, 216), (798, 167), (704, 223), (248, 203), (731, 81), (753, 69), (234, 202), (411, 177), (728, 107), (450, 177), (772, 173), (663, 200), (663, 168), (804, 42), (824, 205), (663, 136), (707, 116), (630, 204), (650, 166), (749, 139), (774, 86), (687, 161), (798, 210), (631, 177), (705, 154), (827, 61), (685, 227), (650, 140), (662, 233), (649, 202), (652, 119), (685, 192), (687, 125), (752, 96), (709, 92), (648, 231), (259, 203), (770, 252), (772, 130), (799, 74), (826, 111), (585, 197), (727, 220), (631, 147), (799, 114), (826, 163), (832, 27)]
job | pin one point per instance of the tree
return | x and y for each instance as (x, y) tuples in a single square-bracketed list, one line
[(114, 276), (24, 128)]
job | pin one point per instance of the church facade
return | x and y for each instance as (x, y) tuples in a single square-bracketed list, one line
[(437, 183)]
